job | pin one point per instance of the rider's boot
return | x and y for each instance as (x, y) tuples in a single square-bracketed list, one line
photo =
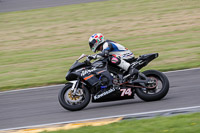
[(132, 72), (128, 68)]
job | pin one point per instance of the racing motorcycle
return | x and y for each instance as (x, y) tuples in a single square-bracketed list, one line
[(101, 82)]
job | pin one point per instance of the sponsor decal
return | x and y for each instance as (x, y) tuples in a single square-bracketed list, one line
[(137, 62), (84, 72), (126, 92), (114, 60), (101, 71), (127, 54), (104, 93), (86, 78)]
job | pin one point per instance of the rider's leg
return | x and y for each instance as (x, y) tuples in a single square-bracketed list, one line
[(120, 62), (124, 65)]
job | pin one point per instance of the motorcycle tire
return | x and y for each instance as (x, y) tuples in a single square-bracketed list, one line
[(64, 104), (163, 91)]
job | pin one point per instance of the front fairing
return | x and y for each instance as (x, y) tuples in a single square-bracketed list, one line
[(75, 70), (77, 65), (73, 74), (81, 69)]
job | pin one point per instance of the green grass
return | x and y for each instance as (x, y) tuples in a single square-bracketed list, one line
[(38, 46), (189, 123)]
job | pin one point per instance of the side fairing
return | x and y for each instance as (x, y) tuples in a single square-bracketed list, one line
[(91, 76)]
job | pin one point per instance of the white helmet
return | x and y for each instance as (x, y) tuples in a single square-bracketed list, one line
[(95, 41)]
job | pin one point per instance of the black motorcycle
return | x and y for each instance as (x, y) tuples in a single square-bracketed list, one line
[(103, 82)]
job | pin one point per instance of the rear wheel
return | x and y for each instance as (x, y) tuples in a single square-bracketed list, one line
[(74, 102), (157, 88)]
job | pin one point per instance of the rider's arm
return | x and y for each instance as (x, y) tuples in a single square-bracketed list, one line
[(106, 49)]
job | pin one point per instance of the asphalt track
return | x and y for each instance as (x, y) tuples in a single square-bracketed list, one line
[(18, 5), (40, 105)]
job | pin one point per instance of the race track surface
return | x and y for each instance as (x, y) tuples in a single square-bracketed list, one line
[(17, 5), (41, 106)]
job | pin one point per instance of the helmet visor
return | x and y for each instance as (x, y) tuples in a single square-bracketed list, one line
[(92, 44)]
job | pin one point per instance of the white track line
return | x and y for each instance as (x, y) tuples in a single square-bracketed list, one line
[(35, 88), (59, 85), (198, 68), (114, 116)]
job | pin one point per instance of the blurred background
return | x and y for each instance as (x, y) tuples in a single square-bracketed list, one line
[(38, 46)]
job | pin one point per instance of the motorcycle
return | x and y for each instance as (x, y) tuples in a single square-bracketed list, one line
[(101, 82)]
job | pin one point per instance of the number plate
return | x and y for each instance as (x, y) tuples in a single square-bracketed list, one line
[(126, 92)]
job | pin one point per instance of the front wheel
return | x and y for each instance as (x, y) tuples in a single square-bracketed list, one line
[(74, 102), (154, 93)]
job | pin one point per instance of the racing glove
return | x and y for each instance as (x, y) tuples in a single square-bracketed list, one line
[(90, 57), (104, 53)]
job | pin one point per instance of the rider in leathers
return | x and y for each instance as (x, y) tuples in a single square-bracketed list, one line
[(118, 53)]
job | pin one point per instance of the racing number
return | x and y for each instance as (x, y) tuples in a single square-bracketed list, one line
[(126, 92)]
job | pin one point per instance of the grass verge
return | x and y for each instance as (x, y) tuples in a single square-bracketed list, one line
[(38, 46), (174, 124)]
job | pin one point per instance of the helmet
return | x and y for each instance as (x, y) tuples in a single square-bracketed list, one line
[(95, 41)]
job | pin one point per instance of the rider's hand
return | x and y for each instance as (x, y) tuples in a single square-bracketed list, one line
[(90, 57)]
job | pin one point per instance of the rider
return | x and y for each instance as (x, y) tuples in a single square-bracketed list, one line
[(119, 54)]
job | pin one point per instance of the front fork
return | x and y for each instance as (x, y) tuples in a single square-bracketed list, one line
[(75, 86)]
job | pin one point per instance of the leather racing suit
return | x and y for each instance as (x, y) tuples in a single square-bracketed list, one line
[(119, 54)]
